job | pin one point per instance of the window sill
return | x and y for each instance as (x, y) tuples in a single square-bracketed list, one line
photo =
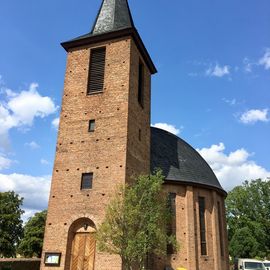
[(95, 93)]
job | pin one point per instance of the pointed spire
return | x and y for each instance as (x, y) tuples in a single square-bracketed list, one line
[(113, 21), (113, 15)]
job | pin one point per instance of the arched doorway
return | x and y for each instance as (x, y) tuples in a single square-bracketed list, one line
[(81, 245)]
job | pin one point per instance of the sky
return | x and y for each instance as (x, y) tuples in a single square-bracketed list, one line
[(211, 89)]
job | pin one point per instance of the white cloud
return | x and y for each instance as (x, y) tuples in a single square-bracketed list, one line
[(234, 168), (10, 93), (170, 128), (247, 65), (55, 123), (34, 190), (19, 110), (253, 116), (30, 104), (33, 145), (218, 71), (44, 162), (265, 60), (4, 162), (28, 213), (231, 102)]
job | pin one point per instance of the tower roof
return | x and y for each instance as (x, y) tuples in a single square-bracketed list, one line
[(113, 15), (114, 20)]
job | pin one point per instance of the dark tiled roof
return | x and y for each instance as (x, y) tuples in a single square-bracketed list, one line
[(113, 15), (179, 161)]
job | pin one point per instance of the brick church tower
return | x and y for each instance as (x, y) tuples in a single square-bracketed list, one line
[(103, 139)]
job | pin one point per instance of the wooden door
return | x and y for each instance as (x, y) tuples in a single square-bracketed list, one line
[(83, 251)]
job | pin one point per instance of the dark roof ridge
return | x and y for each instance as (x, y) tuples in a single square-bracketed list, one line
[(169, 133), (95, 21)]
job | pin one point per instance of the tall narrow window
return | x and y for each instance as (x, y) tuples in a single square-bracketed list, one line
[(87, 179), (141, 84), (91, 127), (96, 70), (220, 230), (140, 134), (172, 224), (202, 225)]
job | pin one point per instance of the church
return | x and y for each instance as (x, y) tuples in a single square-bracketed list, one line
[(105, 138)]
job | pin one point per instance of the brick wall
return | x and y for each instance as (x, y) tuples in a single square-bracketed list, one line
[(113, 152), (138, 151), (188, 231)]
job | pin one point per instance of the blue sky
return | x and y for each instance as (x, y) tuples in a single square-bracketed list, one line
[(212, 86)]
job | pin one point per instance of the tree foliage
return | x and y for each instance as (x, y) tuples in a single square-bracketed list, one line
[(11, 228), (248, 216), (136, 222), (31, 244)]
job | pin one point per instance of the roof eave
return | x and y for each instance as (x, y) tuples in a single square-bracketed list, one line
[(113, 35), (188, 183)]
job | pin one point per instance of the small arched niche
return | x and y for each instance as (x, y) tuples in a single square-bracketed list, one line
[(81, 245)]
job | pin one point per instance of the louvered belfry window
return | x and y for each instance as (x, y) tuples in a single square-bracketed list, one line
[(96, 70)]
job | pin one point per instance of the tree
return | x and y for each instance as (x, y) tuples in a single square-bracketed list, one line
[(31, 244), (136, 222), (10, 223), (248, 216)]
